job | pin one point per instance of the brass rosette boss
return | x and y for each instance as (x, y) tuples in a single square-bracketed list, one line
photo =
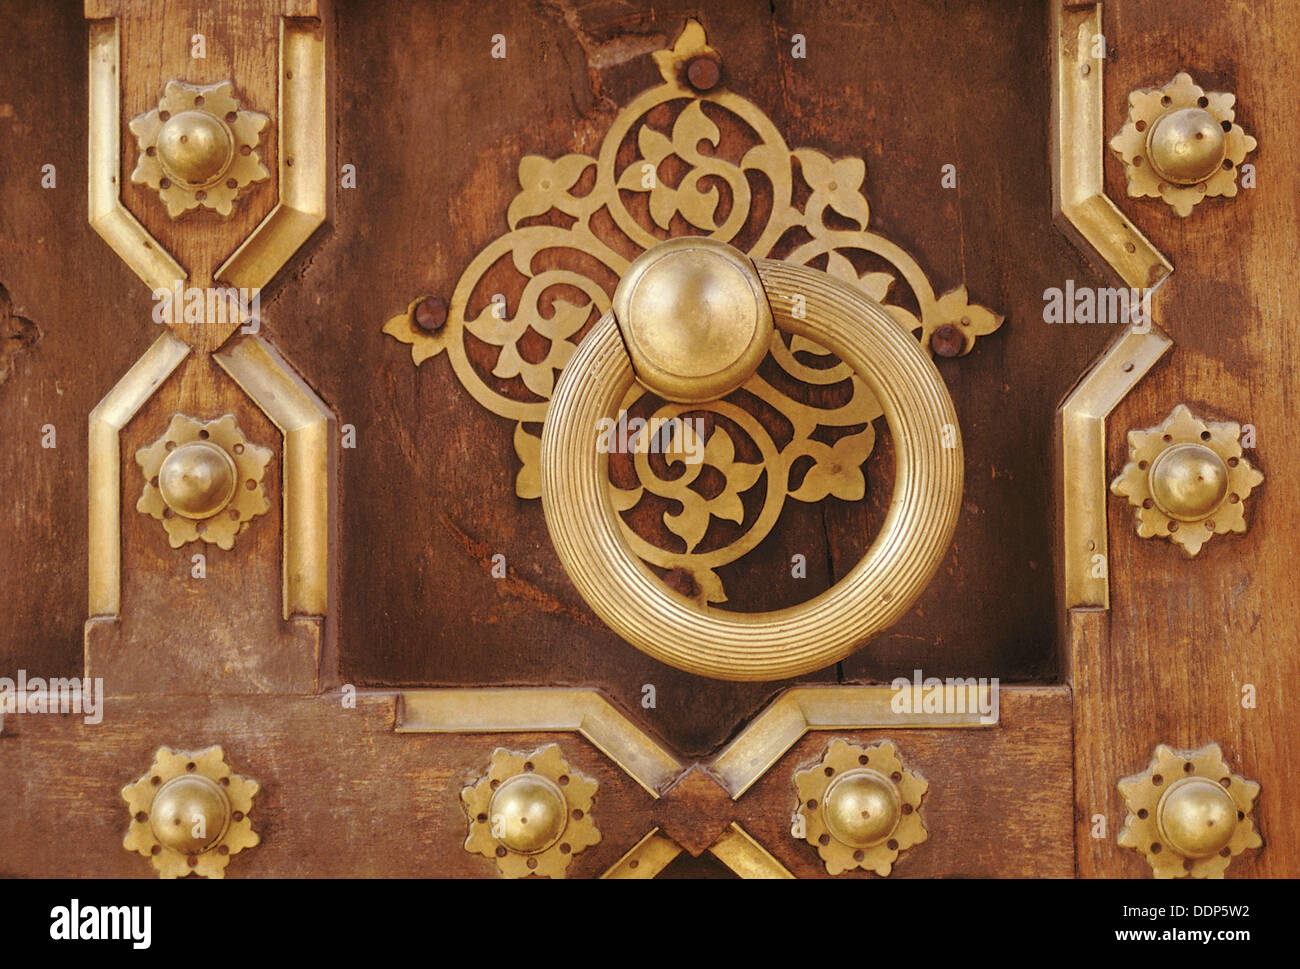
[(860, 808), (189, 813), (203, 480), (1187, 480), (1188, 814), (198, 148), (1182, 144), (531, 813)]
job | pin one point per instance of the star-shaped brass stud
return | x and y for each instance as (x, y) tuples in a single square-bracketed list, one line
[(198, 148)]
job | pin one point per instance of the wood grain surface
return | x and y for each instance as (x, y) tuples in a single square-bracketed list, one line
[(343, 795), (1186, 635)]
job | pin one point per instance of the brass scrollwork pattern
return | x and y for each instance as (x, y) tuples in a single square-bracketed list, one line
[(671, 165)]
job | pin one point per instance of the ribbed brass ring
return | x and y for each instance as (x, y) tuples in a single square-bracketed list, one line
[(787, 642)]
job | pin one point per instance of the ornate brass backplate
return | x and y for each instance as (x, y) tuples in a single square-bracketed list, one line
[(577, 224)]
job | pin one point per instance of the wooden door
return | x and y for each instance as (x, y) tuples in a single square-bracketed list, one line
[(308, 522)]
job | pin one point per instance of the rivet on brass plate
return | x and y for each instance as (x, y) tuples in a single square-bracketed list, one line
[(531, 813), (1188, 814), (1187, 480), (859, 807), (189, 813)]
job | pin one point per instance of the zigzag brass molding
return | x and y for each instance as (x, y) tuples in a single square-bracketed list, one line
[(582, 711), (747, 758), (108, 418), (618, 209), (109, 217), (303, 181), (309, 482), (1094, 224)]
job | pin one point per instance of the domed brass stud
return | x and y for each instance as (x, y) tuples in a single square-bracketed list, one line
[(527, 813), (859, 807), (197, 479), (694, 317), (1196, 817), (1186, 146), (1187, 480), (195, 148), (189, 813), (198, 148), (1181, 144), (1188, 814), (203, 480), (531, 813)]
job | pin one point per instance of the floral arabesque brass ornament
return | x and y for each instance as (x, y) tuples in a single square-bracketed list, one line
[(652, 179)]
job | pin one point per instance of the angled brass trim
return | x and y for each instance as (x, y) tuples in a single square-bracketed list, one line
[(804, 708), (581, 711), (303, 158), (1095, 224), (647, 858), (1079, 202), (109, 217), (1083, 457), (745, 856), (309, 467), (108, 418)]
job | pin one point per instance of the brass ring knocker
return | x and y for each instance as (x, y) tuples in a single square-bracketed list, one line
[(691, 320)]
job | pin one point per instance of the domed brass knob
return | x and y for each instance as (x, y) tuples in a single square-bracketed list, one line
[(189, 814), (1188, 481), (1196, 816), (198, 147), (1186, 146), (531, 813), (1188, 813), (203, 480), (1182, 144), (197, 479), (195, 148), (695, 319), (528, 813), (861, 808)]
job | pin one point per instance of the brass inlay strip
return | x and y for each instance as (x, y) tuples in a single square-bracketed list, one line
[(1094, 223), (1078, 150), (745, 856), (804, 708), (646, 859), (108, 418), (303, 156), (542, 710), (308, 472), (108, 215), (1083, 457)]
